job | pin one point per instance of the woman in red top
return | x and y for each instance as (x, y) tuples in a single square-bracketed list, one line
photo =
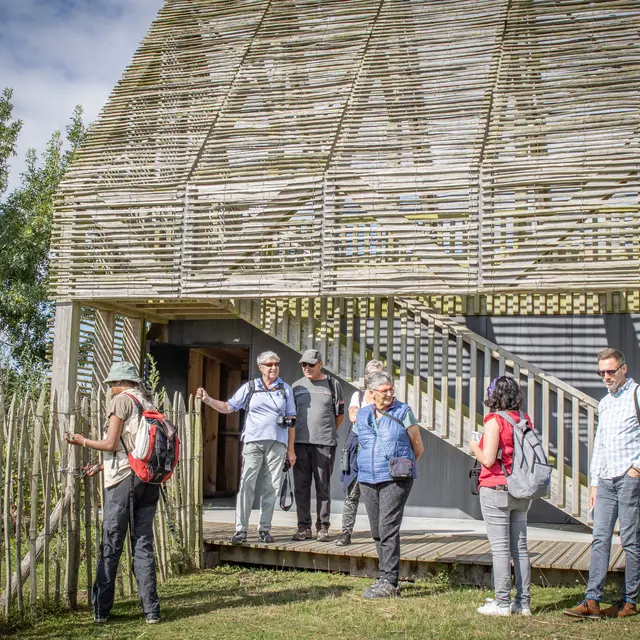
[(504, 515)]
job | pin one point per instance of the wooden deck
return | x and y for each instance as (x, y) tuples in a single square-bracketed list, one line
[(466, 557)]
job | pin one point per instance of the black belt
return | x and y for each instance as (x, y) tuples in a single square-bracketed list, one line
[(499, 487)]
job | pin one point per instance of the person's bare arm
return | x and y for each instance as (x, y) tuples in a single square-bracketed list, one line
[(416, 440), (218, 405), (490, 442), (109, 444)]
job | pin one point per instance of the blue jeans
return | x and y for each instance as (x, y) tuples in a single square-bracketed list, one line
[(616, 498)]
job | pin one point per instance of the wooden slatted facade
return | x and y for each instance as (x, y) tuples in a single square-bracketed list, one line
[(459, 148)]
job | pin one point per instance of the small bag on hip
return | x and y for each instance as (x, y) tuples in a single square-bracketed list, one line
[(401, 468), (474, 479)]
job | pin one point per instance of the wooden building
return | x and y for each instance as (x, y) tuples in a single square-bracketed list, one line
[(351, 174)]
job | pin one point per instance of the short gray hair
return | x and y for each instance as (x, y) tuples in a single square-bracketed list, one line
[(267, 356), (373, 365), (378, 378)]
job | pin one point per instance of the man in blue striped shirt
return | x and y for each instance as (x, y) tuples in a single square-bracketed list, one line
[(615, 489)]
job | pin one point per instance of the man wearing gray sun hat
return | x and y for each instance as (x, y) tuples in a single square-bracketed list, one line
[(320, 411)]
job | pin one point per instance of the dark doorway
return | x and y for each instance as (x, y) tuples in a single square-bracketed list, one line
[(221, 371)]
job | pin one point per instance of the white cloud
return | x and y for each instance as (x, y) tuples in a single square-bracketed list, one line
[(55, 54)]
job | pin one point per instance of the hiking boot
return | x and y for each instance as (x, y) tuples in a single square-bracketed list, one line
[(239, 537), (492, 608), (588, 609), (382, 588), (152, 618), (620, 609), (518, 609), (323, 534), (266, 537), (302, 534), (344, 539)]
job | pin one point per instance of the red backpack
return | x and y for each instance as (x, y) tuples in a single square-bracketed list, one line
[(157, 446)]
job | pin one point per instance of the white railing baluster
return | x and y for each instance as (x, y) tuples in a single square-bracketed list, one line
[(444, 385), (560, 497), (575, 457), (473, 384), (459, 437), (431, 404), (402, 380), (349, 340), (417, 348)]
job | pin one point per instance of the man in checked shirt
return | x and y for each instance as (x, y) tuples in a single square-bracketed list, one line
[(615, 489)]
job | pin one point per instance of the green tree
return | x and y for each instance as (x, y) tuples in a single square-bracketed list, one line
[(25, 234)]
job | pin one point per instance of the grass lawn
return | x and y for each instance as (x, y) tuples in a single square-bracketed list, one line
[(236, 602)]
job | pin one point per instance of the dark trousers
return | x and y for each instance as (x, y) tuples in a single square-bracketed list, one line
[(115, 521), (385, 506), (313, 462)]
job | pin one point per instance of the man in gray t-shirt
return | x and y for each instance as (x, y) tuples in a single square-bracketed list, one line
[(319, 410)]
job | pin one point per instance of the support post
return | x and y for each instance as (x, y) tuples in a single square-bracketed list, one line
[(64, 370)]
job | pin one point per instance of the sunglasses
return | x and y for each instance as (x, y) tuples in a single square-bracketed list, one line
[(307, 365), (610, 372), (270, 364)]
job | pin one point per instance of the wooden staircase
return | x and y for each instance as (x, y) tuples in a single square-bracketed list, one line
[(441, 369)]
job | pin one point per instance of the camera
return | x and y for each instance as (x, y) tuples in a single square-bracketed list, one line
[(280, 421), (287, 465), (289, 422)]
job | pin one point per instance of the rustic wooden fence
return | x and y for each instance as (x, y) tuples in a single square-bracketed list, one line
[(50, 523)]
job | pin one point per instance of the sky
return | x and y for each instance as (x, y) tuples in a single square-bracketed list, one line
[(56, 54)]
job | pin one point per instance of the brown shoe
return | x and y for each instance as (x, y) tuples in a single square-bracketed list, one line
[(302, 534), (587, 609), (322, 535), (620, 609)]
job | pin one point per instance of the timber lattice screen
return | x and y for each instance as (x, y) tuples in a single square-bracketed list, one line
[(299, 147)]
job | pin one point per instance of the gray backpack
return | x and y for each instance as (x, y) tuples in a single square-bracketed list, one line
[(530, 472)]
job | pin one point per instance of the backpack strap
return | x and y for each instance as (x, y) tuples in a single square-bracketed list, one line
[(636, 403)]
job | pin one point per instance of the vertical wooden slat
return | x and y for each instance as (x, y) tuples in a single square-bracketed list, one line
[(417, 364), (502, 365), (575, 457), (310, 324), (431, 350), (8, 501), (390, 334), (487, 376), (349, 349), (459, 438), (531, 396), (402, 390), (297, 345), (444, 385), (335, 333), (546, 416), (590, 438), (24, 434), (377, 313), (473, 384), (560, 498), (34, 495), (4, 430), (197, 481), (362, 354), (323, 329)]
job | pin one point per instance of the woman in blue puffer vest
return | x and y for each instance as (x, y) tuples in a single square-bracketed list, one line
[(389, 443)]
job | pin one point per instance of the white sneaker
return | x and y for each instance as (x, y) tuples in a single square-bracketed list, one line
[(491, 608), (518, 610)]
